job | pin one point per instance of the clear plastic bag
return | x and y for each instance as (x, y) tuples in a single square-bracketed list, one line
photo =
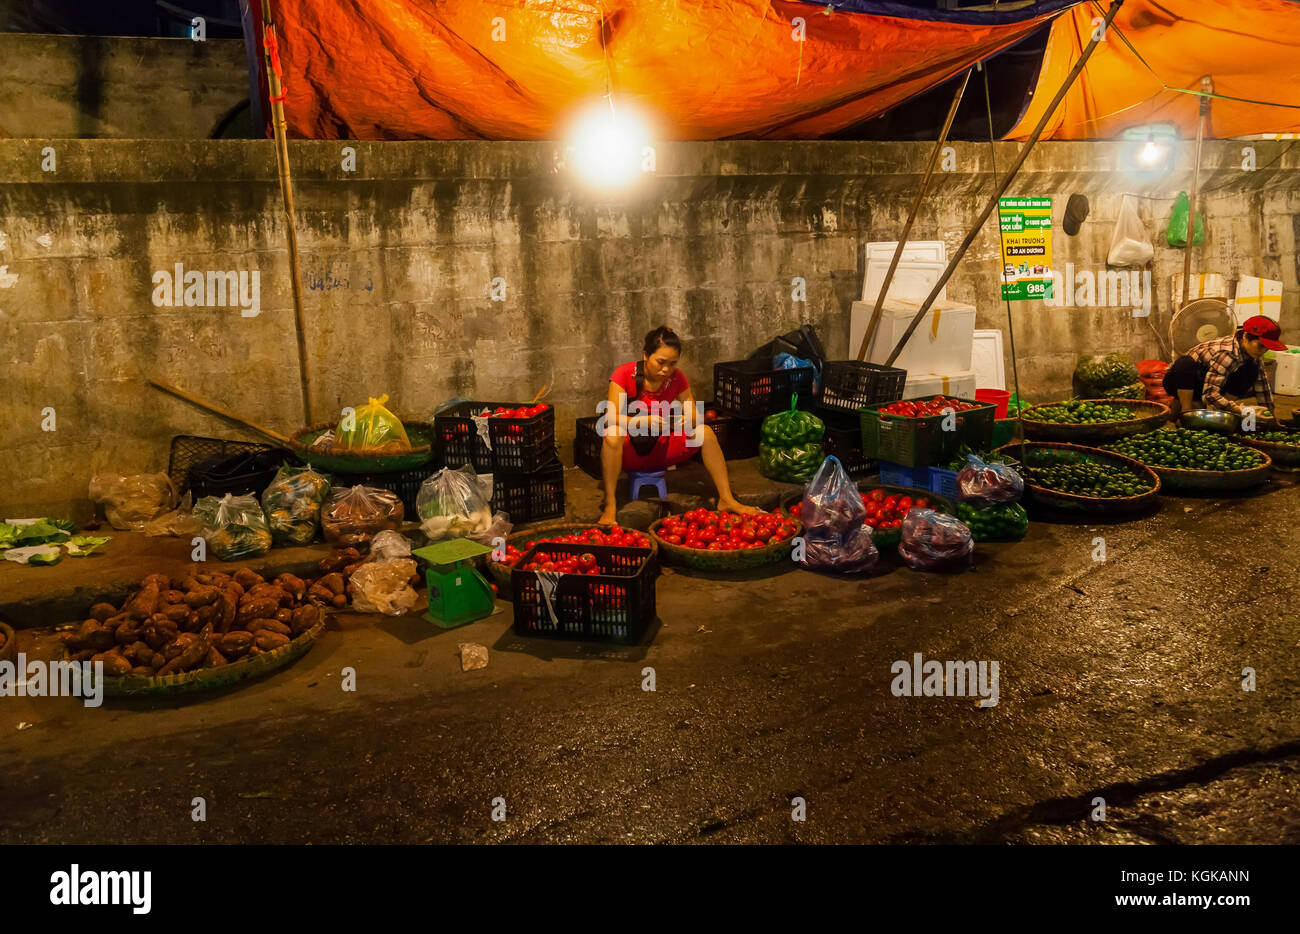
[(234, 526), (933, 541), (130, 502), (181, 521), (384, 586), (980, 484), (353, 515), (836, 536), (292, 503), (1129, 244), (387, 545), (451, 504), (372, 428)]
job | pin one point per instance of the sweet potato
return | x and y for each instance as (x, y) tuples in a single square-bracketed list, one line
[(201, 597), (254, 652), (269, 641), (234, 644), (221, 578), (284, 614), (320, 594), (84, 655), (93, 635), (144, 603), (207, 614), (248, 578), (157, 633), (174, 595), (144, 670), (191, 655), (128, 633), (303, 619), (267, 625), (204, 579), (227, 610), (178, 645), (340, 600), (193, 583), (334, 582), (161, 581), (295, 585), (158, 660), (113, 622), (214, 659), (102, 611), (139, 653), (235, 589), (176, 612), (115, 664), (256, 608)]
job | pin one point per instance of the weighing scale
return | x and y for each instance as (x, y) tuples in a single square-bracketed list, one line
[(458, 594)]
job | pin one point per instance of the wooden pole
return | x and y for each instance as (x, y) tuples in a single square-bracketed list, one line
[(1004, 184), (1206, 85), (216, 410), (271, 56), (911, 217)]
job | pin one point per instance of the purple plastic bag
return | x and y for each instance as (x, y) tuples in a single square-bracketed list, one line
[(980, 484), (836, 535), (933, 541)]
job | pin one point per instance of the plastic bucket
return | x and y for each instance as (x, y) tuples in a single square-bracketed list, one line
[(999, 398)]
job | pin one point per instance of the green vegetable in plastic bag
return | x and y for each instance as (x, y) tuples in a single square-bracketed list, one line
[(372, 427), (234, 526), (1130, 391), (795, 464), (292, 502), (1004, 522), (1176, 234), (784, 429), (1098, 375)]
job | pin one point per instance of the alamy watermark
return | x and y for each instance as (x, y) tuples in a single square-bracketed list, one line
[(232, 288), (642, 420), (932, 678), (1123, 288), (38, 678)]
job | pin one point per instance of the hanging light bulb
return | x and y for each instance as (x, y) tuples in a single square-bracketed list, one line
[(607, 145), (1151, 154)]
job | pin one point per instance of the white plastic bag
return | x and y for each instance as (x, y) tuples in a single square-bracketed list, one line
[(451, 504), (384, 586), (1129, 244)]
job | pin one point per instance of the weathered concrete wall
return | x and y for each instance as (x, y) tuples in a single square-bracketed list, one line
[(399, 256), (123, 88)]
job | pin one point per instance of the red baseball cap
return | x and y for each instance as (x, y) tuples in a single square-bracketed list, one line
[(1266, 330)]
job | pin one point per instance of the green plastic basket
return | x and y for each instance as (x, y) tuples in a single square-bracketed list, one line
[(922, 442)]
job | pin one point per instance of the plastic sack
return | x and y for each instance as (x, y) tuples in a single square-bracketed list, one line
[(353, 515), (372, 428), (836, 536), (1176, 234), (388, 545), (130, 502), (795, 464), (234, 526), (933, 541), (181, 521), (788, 361), (980, 484), (292, 502), (1098, 375), (786, 429), (1129, 244), (451, 504), (1006, 522), (384, 586)]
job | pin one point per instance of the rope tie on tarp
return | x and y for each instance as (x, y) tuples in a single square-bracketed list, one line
[(273, 53)]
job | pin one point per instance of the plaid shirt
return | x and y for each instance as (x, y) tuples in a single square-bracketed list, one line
[(1222, 358)]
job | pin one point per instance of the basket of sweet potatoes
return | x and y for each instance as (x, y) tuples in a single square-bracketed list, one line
[(201, 631)]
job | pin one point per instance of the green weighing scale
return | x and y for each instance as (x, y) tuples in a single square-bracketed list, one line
[(458, 594)]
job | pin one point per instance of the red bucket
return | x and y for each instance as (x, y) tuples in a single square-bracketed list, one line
[(999, 397)]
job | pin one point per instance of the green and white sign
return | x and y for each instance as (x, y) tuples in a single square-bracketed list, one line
[(1025, 226)]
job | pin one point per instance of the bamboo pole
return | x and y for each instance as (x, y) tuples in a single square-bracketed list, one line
[(1207, 86), (911, 217), (269, 42), (1004, 184), (216, 410)]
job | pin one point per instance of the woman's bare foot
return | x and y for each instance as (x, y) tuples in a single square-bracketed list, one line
[(608, 517), (730, 505)]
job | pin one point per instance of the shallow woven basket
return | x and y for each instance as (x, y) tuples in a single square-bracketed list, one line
[(1147, 416), (744, 559), (208, 679), (1285, 457), (1090, 505), (501, 573), (420, 434), (1210, 481)]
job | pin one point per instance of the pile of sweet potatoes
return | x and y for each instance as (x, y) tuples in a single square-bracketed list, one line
[(172, 625)]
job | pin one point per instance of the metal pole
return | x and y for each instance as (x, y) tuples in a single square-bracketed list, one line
[(911, 217), (1207, 86), (1004, 184), (269, 43)]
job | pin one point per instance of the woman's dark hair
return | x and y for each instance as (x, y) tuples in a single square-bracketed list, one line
[(662, 336)]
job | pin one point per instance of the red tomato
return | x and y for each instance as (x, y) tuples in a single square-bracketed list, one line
[(878, 495)]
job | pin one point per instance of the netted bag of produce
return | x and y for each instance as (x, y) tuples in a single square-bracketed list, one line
[(836, 536), (372, 428), (292, 503), (790, 445), (130, 502), (1005, 522), (1100, 376), (353, 515), (234, 526), (451, 504), (933, 541), (982, 484)]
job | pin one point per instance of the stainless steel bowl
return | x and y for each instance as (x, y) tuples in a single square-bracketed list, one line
[(1211, 420)]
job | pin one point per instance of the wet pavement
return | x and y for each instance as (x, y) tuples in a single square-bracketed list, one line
[(1119, 679)]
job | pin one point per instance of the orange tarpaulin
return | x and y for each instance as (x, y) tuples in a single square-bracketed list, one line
[(702, 69), (1249, 48)]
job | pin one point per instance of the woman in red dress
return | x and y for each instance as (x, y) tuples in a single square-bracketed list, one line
[(652, 442)]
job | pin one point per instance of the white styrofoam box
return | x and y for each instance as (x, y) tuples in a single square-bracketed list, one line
[(912, 280), (1201, 285), (1288, 374), (924, 251), (961, 385), (986, 360), (1256, 296), (941, 343)]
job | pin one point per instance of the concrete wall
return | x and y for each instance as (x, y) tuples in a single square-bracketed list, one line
[(399, 256), (102, 87)]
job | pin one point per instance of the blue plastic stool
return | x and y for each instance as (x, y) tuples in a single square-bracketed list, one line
[(654, 478)]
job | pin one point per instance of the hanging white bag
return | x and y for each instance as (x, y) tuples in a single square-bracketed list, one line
[(1129, 244)]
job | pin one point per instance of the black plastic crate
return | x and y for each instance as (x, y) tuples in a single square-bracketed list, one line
[(752, 389), (843, 439), (517, 445), (530, 497), (617, 605), (737, 437), (586, 445), (848, 385), (188, 450)]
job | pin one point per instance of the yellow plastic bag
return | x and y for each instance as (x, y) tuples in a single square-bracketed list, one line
[(372, 426)]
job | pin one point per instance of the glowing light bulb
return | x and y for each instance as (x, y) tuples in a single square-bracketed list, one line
[(608, 144), (1151, 153)]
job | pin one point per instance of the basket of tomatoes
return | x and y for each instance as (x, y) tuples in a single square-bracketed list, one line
[(497, 437), (886, 506), (724, 541), (573, 591), (566, 533), (917, 433)]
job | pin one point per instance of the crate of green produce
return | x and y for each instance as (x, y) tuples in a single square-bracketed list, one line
[(1283, 447), (925, 432), (1092, 421), (1072, 478), (1189, 460)]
